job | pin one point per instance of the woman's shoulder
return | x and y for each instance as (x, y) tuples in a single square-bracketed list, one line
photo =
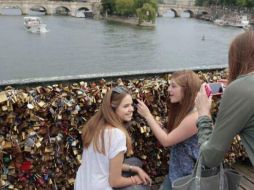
[(114, 130), (242, 81), (192, 116), (241, 87), (190, 120)]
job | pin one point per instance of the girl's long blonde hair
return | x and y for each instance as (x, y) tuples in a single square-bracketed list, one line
[(190, 83), (93, 130)]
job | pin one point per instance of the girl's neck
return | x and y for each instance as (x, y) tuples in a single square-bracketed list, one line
[(194, 109)]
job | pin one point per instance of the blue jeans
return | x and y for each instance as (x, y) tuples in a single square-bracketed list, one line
[(166, 184)]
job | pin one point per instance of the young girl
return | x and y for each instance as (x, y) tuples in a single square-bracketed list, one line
[(182, 118), (105, 140)]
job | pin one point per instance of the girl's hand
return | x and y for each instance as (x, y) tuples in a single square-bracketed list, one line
[(223, 81), (202, 102), (137, 180), (143, 176), (143, 109)]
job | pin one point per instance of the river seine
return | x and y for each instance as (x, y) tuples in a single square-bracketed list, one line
[(78, 47)]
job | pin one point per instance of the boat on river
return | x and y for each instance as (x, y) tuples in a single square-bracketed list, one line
[(220, 22), (84, 14), (34, 24), (248, 27), (237, 21), (244, 22)]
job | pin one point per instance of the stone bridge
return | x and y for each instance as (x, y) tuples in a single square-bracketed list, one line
[(178, 9), (50, 7)]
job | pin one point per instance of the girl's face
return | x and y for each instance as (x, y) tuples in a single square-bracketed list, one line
[(125, 109), (175, 92)]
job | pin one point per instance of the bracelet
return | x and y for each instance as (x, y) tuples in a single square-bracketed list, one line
[(130, 168), (133, 180)]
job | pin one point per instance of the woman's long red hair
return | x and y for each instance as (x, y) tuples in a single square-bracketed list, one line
[(190, 84)]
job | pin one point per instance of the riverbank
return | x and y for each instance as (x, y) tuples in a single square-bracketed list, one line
[(129, 20), (46, 121), (229, 14)]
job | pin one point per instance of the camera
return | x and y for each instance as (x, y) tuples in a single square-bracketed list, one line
[(214, 89)]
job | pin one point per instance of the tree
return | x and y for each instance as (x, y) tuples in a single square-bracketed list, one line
[(245, 3), (144, 9), (124, 7), (108, 6), (146, 13), (154, 4)]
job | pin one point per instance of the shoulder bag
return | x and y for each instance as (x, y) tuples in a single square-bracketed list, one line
[(216, 178)]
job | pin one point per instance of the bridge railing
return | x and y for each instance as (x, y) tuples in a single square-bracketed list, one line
[(170, 6)]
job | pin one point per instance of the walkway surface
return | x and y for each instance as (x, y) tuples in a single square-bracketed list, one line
[(247, 170)]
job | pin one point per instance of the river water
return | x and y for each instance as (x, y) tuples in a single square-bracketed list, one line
[(80, 48)]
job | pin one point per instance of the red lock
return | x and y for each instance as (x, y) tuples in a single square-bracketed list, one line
[(25, 166)]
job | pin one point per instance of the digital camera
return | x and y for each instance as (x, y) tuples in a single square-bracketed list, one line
[(214, 89)]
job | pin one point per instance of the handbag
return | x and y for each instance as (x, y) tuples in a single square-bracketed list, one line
[(216, 178)]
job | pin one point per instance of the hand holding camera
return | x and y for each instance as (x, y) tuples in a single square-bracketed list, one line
[(214, 89)]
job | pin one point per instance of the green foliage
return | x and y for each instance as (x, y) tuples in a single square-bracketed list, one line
[(199, 2), (154, 4), (139, 3), (146, 13), (144, 9), (124, 7), (108, 6), (245, 3)]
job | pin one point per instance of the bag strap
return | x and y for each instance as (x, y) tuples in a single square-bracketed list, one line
[(198, 170), (222, 179)]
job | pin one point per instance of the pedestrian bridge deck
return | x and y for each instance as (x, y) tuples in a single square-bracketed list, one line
[(247, 171)]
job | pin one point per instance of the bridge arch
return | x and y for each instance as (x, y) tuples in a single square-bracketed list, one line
[(62, 10), (83, 8), (190, 12), (38, 8), (51, 6), (178, 9), (18, 12), (204, 12), (176, 14)]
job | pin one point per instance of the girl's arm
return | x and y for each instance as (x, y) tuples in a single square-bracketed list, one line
[(141, 173), (235, 111), (115, 173), (185, 130)]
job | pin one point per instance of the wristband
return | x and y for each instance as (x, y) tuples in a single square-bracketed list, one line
[(133, 180), (130, 168)]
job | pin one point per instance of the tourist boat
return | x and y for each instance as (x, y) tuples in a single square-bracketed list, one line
[(220, 22), (236, 21), (239, 21), (34, 24), (247, 27), (84, 14)]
